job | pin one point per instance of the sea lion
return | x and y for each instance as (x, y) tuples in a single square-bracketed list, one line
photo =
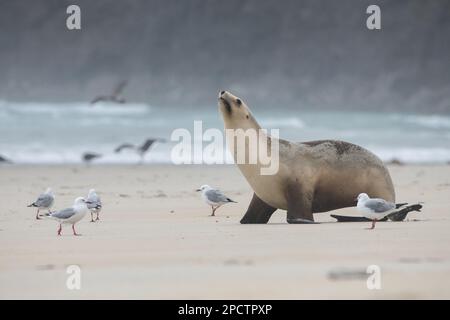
[(314, 176)]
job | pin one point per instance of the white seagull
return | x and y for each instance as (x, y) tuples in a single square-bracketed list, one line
[(374, 209), (70, 215), (94, 204), (44, 202), (214, 197)]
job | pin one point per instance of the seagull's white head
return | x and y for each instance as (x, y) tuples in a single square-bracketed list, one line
[(362, 197), (49, 191), (203, 188), (91, 191), (79, 200)]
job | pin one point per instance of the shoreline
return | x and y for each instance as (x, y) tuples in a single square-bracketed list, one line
[(389, 164)]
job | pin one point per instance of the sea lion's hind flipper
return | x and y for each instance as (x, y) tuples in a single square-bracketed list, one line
[(258, 211), (340, 218), (401, 214)]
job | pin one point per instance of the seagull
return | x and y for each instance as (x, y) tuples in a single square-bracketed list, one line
[(214, 197), (114, 96), (44, 201), (375, 209), (70, 215), (142, 149), (88, 157), (94, 204), (5, 160)]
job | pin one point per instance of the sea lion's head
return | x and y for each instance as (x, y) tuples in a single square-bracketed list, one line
[(235, 112)]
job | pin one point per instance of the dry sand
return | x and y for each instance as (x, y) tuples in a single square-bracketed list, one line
[(156, 240)]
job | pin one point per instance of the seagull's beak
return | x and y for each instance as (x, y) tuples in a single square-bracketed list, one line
[(198, 190)]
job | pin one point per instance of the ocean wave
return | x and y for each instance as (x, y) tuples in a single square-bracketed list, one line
[(162, 154), (60, 133), (123, 122), (427, 121), (282, 123), (55, 109), (413, 155)]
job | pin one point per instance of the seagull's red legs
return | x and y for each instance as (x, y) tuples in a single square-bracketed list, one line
[(74, 232), (373, 225)]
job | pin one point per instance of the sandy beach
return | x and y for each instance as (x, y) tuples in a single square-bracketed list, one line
[(156, 239)]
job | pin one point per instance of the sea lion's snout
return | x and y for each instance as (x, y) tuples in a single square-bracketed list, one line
[(233, 108), (224, 100)]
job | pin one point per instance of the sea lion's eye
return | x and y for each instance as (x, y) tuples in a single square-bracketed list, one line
[(239, 102), (247, 116)]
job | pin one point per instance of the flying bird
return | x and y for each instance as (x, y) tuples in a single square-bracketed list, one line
[(94, 204), (88, 157), (141, 150), (115, 96), (44, 201), (214, 197), (375, 209), (70, 215), (4, 160)]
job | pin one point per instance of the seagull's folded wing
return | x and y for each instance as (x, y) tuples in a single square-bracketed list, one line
[(216, 196), (379, 205), (44, 200), (64, 214)]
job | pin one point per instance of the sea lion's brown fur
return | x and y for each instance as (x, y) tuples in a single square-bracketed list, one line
[(314, 176)]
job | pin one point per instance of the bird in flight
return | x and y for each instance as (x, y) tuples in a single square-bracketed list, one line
[(88, 157), (141, 150), (115, 96), (5, 160)]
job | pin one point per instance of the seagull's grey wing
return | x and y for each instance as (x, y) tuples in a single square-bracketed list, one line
[(94, 205), (94, 202), (124, 146), (147, 144), (119, 88), (44, 200), (3, 159), (87, 156), (98, 99), (64, 214), (216, 196), (379, 205)]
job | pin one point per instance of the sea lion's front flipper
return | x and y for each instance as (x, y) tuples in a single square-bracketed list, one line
[(299, 206), (258, 211), (300, 221)]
